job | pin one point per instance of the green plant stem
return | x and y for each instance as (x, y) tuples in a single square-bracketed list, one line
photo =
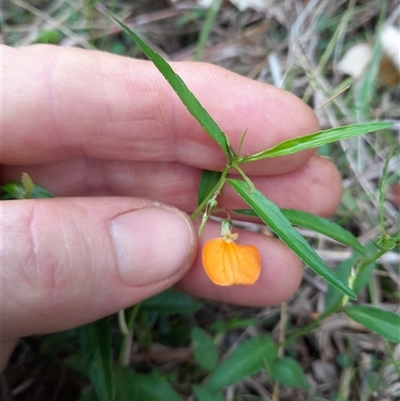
[(281, 348), (129, 326), (233, 163), (311, 326), (122, 322), (364, 262), (247, 179), (382, 187), (216, 189)]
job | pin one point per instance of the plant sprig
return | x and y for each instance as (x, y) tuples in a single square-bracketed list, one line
[(265, 209)]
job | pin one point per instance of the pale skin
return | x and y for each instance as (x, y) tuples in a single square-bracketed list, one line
[(109, 137)]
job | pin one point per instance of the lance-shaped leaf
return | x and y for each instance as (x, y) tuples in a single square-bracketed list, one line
[(316, 139), (315, 223), (187, 97), (271, 215), (247, 359), (385, 323)]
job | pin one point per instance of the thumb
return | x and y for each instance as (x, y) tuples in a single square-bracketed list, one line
[(70, 261)]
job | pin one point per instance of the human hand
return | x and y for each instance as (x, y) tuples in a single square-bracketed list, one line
[(109, 137)]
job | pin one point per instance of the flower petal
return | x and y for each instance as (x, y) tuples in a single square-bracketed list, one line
[(228, 263)]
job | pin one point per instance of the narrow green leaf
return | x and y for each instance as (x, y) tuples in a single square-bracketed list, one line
[(171, 301), (95, 339), (384, 323), (316, 139), (205, 394), (287, 371), (187, 97), (209, 179), (212, 13), (204, 349), (247, 359), (323, 226), (271, 215), (315, 223)]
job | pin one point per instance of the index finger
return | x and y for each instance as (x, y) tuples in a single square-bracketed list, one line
[(74, 103)]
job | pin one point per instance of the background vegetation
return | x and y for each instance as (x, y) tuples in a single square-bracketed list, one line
[(176, 342)]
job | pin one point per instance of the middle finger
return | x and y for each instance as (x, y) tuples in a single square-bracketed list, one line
[(315, 187)]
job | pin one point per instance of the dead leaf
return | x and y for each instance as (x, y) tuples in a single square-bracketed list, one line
[(356, 60)]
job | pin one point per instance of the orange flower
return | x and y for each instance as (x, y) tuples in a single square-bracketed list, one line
[(227, 263)]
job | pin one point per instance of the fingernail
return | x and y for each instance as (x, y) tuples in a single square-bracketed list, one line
[(151, 244)]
